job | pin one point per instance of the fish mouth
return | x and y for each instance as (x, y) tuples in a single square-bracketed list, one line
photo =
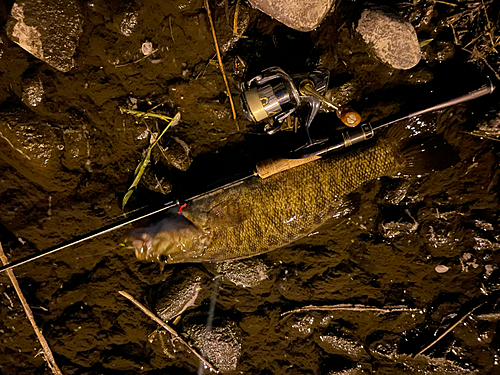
[(142, 246), (173, 239)]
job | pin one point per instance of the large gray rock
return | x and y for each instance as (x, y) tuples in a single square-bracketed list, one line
[(393, 39), (48, 29), (297, 14)]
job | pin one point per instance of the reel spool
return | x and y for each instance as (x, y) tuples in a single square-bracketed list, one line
[(271, 95)]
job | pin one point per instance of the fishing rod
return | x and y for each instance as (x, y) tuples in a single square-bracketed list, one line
[(270, 167)]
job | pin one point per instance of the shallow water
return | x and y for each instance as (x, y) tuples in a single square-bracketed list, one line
[(372, 254)]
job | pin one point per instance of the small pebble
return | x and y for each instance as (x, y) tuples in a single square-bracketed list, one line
[(441, 269), (147, 48)]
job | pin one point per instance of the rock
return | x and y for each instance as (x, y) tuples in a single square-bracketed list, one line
[(48, 29), (76, 148), (176, 154), (128, 23), (32, 91), (393, 39), (156, 182), (30, 146), (343, 346), (225, 33), (220, 346), (490, 127), (441, 268), (350, 371), (299, 15), (385, 344), (246, 273), (179, 293), (302, 326)]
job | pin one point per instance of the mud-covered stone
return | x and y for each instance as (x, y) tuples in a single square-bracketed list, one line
[(299, 15), (76, 148), (48, 29), (349, 371), (392, 38), (220, 345), (180, 292), (490, 127), (302, 326), (340, 344), (32, 91), (156, 182), (246, 273), (176, 153), (128, 22), (31, 146)]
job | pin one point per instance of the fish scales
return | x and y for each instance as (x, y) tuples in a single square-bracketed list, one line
[(260, 215)]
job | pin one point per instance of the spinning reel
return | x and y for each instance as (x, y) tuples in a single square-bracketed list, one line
[(274, 95)]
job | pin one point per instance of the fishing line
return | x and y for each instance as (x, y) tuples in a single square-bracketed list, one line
[(211, 314)]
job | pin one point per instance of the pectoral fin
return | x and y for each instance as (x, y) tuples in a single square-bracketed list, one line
[(228, 214)]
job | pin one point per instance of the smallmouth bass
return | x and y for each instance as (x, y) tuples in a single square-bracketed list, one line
[(260, 215)]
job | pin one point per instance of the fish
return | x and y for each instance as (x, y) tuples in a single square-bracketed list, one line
[(261, 215)]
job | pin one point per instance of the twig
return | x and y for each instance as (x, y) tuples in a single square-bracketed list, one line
[(205, 67), (449, 329), (221, 66), (446, 3), (350, 307), (174, 334), (457, 42), (144, 115), (235, 20), (481, 136), (49, 358), (170, 25)]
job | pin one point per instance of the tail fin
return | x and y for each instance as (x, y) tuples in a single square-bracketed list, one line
[(422, 149), (428, 155)]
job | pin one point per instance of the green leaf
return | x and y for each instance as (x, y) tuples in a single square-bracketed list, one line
[(141, 168)]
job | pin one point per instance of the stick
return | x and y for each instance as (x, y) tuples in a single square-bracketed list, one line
[(350, 307), (481, 136), (445, 2), (49, 358), (170, 25), (221, 66), (449, 329), (145, 115), (235, 20), (167, 327)]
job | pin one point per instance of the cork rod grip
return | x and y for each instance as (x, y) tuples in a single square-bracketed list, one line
[(269, 167)]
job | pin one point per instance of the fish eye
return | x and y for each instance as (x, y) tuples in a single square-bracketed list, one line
[(163, 258)]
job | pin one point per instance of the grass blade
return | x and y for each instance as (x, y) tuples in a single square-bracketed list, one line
[(141, 168)]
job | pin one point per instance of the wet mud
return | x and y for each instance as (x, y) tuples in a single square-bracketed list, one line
[(427, 242)]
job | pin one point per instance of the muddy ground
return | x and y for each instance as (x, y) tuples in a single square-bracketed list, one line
[(382, 251)]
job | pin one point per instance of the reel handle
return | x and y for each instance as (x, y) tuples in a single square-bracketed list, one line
[(349, 116)]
